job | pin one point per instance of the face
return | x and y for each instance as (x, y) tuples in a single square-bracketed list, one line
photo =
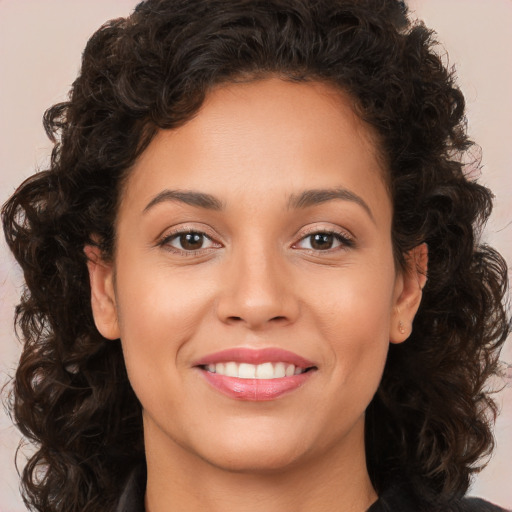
[(254, 287)]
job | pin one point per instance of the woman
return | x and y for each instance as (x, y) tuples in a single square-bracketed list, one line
[(227, 300)]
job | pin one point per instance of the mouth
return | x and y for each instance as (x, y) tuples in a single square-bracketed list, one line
[(262, 371), (255, 375)]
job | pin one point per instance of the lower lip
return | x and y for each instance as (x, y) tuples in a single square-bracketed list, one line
[(255, 389)]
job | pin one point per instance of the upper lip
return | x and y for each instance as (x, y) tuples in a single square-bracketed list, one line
[(255, 356)]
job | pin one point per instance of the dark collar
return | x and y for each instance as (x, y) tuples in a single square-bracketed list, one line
[(394, 499), (132, 498)]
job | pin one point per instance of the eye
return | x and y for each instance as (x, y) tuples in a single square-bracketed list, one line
[(324, 241), (189, 241)]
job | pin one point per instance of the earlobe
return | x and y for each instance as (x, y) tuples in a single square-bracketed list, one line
[(408, 299), (103, 303)]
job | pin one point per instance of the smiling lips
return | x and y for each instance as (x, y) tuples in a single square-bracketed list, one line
[(255, 375), (252, 371)]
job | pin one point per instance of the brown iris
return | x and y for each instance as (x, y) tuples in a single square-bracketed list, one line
[(191, 241), (321, 241)]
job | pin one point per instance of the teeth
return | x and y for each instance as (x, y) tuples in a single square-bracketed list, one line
[(246, 371), (279, 370), (252, 371), (231, 369), (265, 371)]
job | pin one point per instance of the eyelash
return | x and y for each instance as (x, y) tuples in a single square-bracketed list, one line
[(346, 241), (168, 238)]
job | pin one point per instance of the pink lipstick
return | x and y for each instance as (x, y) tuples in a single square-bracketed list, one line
[(255, 375)]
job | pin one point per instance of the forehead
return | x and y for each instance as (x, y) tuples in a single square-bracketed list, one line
[(258, 136)]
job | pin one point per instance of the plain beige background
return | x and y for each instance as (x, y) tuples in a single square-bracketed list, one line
[(40, 47)]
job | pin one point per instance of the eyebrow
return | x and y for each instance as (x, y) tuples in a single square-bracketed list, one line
[(189, 197), (305, 199), (319, 196)]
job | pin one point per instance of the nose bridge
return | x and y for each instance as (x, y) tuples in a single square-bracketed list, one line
[(256, 288)]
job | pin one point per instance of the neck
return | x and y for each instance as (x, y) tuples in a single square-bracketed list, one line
[(333, 479)]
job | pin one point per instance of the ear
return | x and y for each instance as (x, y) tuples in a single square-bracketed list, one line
[(103, 303), (408, 293)]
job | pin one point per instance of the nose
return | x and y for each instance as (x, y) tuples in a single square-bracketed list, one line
[(258, 290)]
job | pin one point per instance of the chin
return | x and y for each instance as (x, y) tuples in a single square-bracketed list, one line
[(255, 460), (253, 450)]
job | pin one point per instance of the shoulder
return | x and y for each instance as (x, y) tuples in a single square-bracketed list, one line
[(132, 497), (478, 505), (399, 499)]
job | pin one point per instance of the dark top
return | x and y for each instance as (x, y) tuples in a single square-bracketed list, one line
[(393, 500)]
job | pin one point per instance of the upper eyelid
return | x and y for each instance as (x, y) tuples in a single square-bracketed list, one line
[(304, 232), (178, 230), (167, 239), (345, 238), (164, 242)]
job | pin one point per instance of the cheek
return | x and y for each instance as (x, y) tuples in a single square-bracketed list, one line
[(354, 302), (158, 313), (353, 315), (159, 299)]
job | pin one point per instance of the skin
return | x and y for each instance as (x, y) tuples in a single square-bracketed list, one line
[(257, 282)]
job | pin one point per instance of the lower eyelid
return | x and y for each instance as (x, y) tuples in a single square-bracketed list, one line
[(169, 237), (343, 238)]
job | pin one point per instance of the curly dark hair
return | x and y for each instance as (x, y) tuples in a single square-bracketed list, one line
[(430, 420)]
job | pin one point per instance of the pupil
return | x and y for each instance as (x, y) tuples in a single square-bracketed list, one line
[(191, 241), (322, 241)]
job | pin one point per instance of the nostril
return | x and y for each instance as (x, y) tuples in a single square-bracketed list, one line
[(240, 319), (278, 318)]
